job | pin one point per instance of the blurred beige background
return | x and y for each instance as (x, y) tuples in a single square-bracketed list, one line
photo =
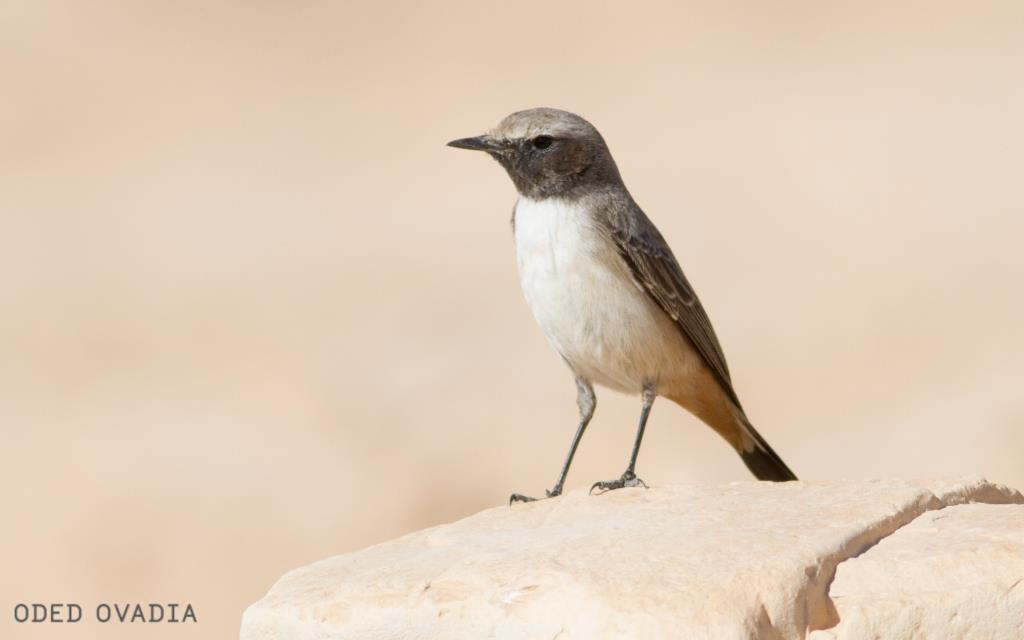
[(254, 313)]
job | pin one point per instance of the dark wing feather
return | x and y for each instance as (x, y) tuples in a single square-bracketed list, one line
[(657, 271)]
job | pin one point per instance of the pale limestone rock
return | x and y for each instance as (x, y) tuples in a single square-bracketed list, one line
[(954, 573), (744, 560)]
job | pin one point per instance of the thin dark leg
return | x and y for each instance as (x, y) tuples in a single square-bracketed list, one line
[(628, 478), (645, 410), (587, 401)]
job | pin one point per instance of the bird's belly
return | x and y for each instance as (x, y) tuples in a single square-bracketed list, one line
[(585, 300)]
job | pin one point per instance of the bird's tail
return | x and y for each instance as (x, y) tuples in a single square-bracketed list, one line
[(760, 458)]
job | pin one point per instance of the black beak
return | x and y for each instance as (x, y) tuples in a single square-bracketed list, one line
[(479, 143)]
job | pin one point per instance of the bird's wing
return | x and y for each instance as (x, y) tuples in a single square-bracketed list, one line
[(656, 270)]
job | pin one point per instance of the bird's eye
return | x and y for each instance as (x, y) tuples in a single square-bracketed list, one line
[(542, 142)]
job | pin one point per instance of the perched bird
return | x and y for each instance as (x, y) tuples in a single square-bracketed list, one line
[(606, 289)]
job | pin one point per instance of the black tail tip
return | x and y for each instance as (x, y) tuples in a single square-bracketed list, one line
[(765, 465)]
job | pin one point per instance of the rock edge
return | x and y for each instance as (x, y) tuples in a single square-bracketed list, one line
[(744, 560)]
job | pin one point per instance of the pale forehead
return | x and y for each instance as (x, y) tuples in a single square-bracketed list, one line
[(535, 122)]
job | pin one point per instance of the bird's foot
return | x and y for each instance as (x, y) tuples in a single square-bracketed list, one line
[(518, 497), (628, 479)]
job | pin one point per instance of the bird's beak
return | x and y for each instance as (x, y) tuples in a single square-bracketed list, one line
[(479, 143)]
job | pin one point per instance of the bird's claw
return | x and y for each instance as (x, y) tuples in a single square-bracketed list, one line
[(548, 493), (628, 479)]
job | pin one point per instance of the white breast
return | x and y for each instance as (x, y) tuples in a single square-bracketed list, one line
[(585, 299)]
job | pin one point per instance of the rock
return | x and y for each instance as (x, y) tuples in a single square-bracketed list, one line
[(743, 560), (954, 573)]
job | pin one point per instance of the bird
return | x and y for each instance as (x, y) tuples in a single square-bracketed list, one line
[(607, 291)]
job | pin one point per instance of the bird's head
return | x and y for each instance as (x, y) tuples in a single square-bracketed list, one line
[(547, 152)]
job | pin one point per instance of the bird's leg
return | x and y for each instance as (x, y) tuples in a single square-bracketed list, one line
[(629, 479), (587, 401)]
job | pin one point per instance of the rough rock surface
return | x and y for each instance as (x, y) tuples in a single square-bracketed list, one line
[(954, 573), (743, 560)]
